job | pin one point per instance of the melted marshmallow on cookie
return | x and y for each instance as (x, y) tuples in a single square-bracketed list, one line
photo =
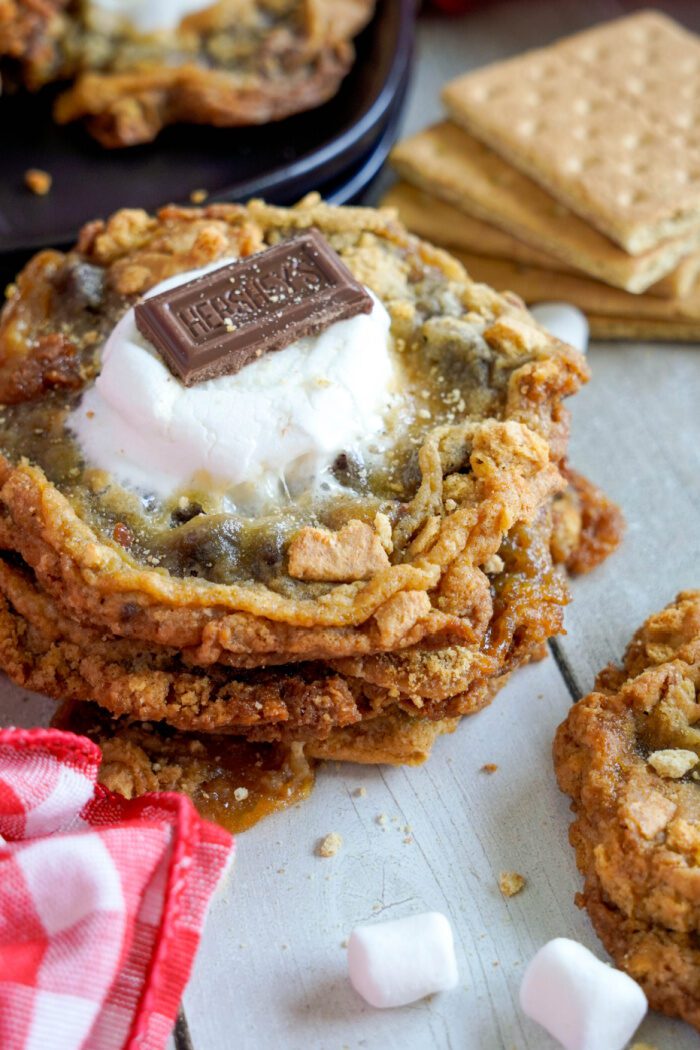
[(271, 430), (145, 16)]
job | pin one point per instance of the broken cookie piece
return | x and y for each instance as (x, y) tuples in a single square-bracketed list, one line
[(623, 755)]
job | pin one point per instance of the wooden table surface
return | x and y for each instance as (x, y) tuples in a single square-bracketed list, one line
[(271, 972)]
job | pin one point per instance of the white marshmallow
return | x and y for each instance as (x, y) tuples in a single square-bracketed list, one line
[(564, 321), (581, 1001), (147, 16), (398, 962)]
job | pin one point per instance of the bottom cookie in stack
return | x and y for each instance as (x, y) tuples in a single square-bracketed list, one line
[(629, 756), (388, 709)]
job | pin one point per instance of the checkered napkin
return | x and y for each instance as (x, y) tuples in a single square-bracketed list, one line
[(102, 900)]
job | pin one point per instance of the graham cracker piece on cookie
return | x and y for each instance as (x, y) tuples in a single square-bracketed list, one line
[(453, 165), (606, 120), (643, 315), (434, 220)]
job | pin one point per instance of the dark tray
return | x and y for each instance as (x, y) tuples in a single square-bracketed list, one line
[(279, 161), (347, 187), (354, 183)]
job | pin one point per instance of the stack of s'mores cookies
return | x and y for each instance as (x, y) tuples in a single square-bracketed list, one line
[(573, 173)]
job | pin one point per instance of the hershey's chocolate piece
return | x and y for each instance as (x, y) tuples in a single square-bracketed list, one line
[(216, 324)]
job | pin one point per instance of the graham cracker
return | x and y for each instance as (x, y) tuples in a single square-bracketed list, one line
[(434, 220), (449, 163), (535, 285), (606, 120), (644, 330), (679, 282), (440, 223)]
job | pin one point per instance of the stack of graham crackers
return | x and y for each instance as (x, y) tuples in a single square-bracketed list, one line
[(573, 173)]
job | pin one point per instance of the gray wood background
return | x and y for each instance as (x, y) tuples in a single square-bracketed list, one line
[(271, 972)]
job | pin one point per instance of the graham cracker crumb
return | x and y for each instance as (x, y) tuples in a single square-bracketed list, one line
[(199, 196), (382, 527), (329, 846), (510, 883), (354, 552), (360, 792), (38, 181), (381, 819), (489, 767), (673, 763)]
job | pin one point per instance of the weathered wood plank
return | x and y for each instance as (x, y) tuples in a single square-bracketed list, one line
[(636, 431), (274, 939), (18, 707), (272, 970)]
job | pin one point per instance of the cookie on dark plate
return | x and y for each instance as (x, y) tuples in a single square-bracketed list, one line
[(223, 64)]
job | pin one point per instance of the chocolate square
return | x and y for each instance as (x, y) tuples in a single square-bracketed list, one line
[(218, 323)]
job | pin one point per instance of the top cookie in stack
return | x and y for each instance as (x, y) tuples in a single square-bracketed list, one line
[(573, 172)]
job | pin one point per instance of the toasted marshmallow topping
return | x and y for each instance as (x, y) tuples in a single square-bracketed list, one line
[(270, 431), (145, 16)]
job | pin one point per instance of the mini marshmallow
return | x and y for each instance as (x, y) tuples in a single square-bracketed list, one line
[(564, 321), (581, 1001), (398, 962)]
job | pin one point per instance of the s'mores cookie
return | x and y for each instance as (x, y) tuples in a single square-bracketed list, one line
[(345, 521)]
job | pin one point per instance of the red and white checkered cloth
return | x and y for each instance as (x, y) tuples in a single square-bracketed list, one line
[(102, 900)]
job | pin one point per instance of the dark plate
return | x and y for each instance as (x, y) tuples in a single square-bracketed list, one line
[(354, 183), (347, 187), (279, 161)]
